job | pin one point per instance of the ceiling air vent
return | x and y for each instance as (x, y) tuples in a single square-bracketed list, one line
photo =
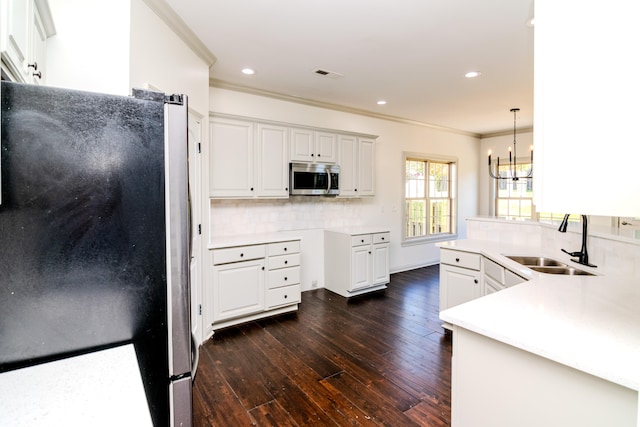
[(327, 73)]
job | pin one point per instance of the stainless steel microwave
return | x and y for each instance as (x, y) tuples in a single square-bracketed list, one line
[(315, 179)]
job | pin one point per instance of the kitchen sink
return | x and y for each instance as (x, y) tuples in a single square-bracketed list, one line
[(570, 271), (536, 261), (548, 266)]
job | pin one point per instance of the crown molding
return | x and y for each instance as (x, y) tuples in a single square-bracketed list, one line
[(239, 88), (505, 132), (47, 19), (178, 26)]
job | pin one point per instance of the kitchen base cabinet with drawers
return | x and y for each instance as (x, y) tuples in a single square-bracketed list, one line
[(356, 260), (252, 281)]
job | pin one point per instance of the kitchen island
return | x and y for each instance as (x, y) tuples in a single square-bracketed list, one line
[(553, 351)]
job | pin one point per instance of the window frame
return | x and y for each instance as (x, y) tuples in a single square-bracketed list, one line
[(453, 198), (495, 191)]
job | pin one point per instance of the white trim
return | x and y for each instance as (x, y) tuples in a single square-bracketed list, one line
[(239, 88), (404, 241), (180, 28)]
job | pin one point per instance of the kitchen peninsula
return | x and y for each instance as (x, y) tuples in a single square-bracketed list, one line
[(555, 350)]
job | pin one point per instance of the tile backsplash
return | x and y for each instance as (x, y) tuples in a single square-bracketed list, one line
[(232, 217)]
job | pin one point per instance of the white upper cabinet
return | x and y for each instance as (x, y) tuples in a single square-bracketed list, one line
[(232, 158), (310, 146), (25, 26), (248, 159), (366, 166), (586, 108), (357, 163), (272, 161)]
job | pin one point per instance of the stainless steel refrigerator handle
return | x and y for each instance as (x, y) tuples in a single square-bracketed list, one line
[(178, 293), (0, 149), (177, 237)]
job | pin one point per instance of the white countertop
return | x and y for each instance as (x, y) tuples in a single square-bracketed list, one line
[(359, 230), (103, 388), (590, 323), (253, 239)]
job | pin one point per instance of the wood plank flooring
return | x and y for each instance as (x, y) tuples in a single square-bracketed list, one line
[(379, 359)]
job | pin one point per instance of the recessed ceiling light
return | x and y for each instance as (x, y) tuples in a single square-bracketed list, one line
[(472, 74), (381, 102), (248, 71)]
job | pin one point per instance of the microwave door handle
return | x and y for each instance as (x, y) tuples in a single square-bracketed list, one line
[(328, 182)]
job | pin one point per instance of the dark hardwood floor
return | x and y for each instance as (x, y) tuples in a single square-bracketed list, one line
[(379, 359)]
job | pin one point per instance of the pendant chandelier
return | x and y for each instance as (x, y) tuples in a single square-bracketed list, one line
[(512, 173)]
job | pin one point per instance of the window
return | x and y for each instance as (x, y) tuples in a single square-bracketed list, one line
[(514, 199), (429, 194)]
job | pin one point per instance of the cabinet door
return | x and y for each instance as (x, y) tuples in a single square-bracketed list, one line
[(380, 264), (360, 267), (38, 54), (586, 137), (272, 161), (302, 145), (348, 158), (232, 158), (458, 285), (366, 167), (16, 28), (326, 147), (238, 289)]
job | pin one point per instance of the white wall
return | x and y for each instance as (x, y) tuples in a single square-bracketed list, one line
[(499, 146), (90, 50), (161, 60), (315, 214)]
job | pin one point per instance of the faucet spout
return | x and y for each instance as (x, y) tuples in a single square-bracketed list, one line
[(583, 255)]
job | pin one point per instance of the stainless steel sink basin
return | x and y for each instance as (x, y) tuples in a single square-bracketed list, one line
[(536, 261), (548, 265), (563, 269)]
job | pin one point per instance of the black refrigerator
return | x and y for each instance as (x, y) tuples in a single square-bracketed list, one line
[(94, 234)]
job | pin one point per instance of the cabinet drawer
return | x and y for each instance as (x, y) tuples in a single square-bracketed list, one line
[(283, 248), (381, 238), (283, 277), (361, 239), (512, 278), (283, 296), (461, 259), (494, 270), (491, 286), (238, 253), (283, 261)]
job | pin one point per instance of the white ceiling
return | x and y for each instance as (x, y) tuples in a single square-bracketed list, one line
[(411, 53)]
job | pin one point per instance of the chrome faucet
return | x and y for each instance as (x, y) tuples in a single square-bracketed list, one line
[(583, 256)]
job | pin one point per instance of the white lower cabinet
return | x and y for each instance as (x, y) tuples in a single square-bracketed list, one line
[(460, 277), (252, 281), (497, 277), (465, 276), (238, 289), (356, 261)]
